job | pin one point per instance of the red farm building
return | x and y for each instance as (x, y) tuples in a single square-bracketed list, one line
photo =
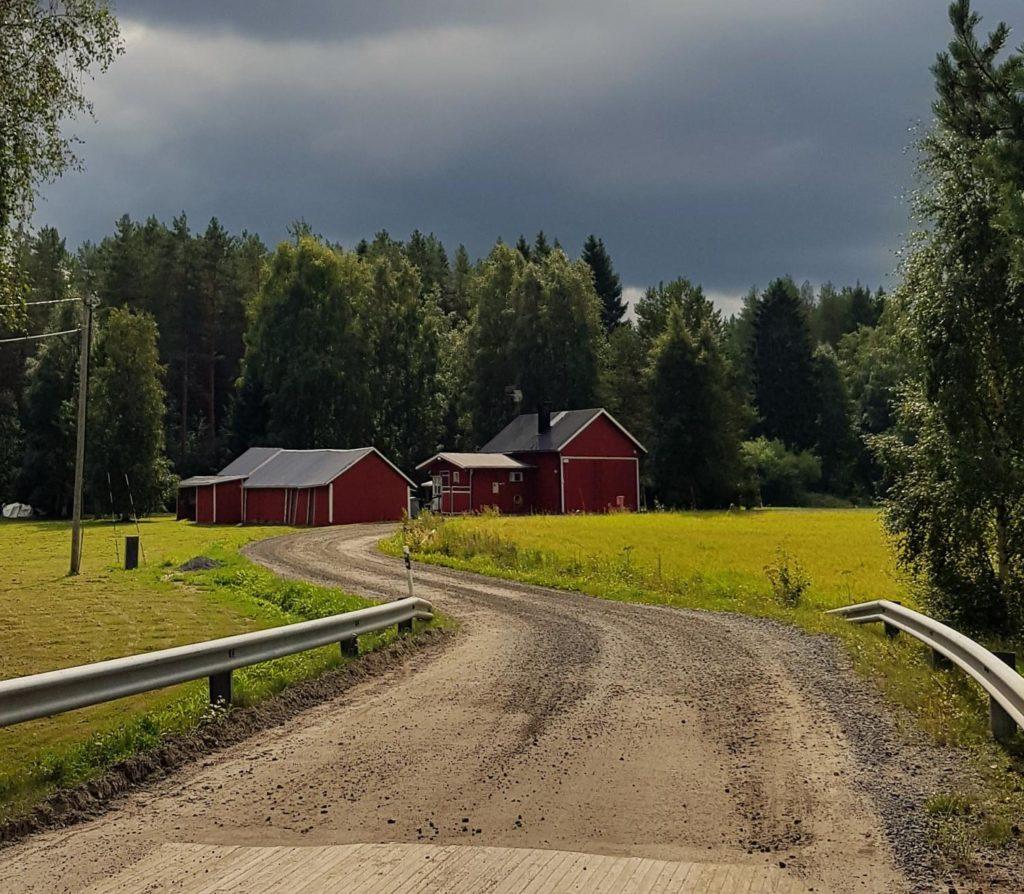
[(568, 461), (267, 485)]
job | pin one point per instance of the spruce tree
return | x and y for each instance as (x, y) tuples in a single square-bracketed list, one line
[(606, 282), (785, 396), (699, 420)]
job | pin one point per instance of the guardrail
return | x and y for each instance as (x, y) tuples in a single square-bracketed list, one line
[(53, 692), (993, 671)]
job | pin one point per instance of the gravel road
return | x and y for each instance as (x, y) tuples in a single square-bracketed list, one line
[(557, 721)]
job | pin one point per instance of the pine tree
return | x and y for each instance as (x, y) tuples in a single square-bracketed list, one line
[(523, 247), (541, 247), (783, 371), (606, 282)]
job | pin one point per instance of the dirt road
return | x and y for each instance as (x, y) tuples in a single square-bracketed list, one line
[(551, 721)]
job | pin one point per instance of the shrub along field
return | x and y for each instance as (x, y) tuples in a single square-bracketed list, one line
[(49, 620)]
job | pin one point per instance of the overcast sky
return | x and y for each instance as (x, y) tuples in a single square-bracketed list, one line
[(729, 141)]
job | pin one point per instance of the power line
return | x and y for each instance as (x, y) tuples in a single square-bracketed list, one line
[(7, 341), (37, 303)]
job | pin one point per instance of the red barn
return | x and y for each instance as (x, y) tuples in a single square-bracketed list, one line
[(568, 461), (464, 482), (300, 487), (217, 499)]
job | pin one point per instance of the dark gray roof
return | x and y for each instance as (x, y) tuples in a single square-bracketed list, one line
[(304, 468), (520, 435), (249, 461)]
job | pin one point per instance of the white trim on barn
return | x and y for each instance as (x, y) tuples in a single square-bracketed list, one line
[(330, 503)]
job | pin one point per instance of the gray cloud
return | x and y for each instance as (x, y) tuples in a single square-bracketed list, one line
[(729, 142)]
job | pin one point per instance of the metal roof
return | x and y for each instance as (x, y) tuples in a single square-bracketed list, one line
[(477, 461), (201, 480), (521, 435), (304, 468), (249, 461)]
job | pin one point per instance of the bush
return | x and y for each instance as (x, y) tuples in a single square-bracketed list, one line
[(788, 579), (779, 476)]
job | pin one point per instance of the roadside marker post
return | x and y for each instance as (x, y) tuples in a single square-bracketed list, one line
[(406, 626)]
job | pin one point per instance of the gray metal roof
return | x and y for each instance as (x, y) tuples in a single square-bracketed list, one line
[(201, 480), (249, 461), (477, 461), (521, 436), (304, 468)]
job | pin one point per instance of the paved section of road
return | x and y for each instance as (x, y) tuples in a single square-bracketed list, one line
[(387, 868), (552, 721)]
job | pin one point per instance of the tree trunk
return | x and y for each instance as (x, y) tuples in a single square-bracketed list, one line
[(184, 404)]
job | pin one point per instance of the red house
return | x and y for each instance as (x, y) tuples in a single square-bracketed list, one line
[(298, 487), (569, 461)]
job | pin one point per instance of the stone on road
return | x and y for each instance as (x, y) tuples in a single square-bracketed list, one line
[(662, 747)]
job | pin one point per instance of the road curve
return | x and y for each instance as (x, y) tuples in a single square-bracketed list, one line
[(552, 721)]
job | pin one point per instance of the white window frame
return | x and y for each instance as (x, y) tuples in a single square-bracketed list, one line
[(515, 477)]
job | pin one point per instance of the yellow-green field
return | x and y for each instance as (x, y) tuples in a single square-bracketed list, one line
[(843, 551), (49, 621)]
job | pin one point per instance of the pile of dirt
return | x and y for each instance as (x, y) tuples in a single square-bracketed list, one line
[(200, 563)]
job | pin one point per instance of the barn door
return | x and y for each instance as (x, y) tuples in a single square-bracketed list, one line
[(310, 503)]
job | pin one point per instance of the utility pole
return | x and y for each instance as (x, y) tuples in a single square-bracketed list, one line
[(88, 302)]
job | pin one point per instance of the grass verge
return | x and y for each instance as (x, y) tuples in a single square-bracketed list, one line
[(789, 565), (55, 621)]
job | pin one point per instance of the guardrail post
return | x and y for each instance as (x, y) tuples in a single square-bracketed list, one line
[(404, 627), (1000, 722), (350, 647), (220, 688), (940, 661)]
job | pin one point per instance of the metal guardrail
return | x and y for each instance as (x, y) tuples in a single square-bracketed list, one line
[(993, 671), (53, 692)]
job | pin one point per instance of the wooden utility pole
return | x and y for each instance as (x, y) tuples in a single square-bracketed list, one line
[(83, 395)]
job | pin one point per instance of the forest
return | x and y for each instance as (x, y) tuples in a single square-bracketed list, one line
[(406, 346), (209, 342)]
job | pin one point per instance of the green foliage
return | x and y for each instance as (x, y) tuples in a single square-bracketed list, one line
[(776, 475), (50, 403), (606, 282), (305, 379), (783, 368), (126, 408), (835, 442), (696, 442), (656, 304), (955, 464), (538, 328), (45, 52), (624, 386), (787, 578)]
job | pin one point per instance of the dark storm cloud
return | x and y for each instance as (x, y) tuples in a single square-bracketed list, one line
[(726, 141)]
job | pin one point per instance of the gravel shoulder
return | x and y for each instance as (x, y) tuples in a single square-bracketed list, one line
[(558, 721)]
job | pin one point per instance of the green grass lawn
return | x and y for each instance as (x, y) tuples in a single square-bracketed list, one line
[(49, 621)]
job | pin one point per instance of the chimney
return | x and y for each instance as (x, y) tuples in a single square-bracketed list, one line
[(543, 420)]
